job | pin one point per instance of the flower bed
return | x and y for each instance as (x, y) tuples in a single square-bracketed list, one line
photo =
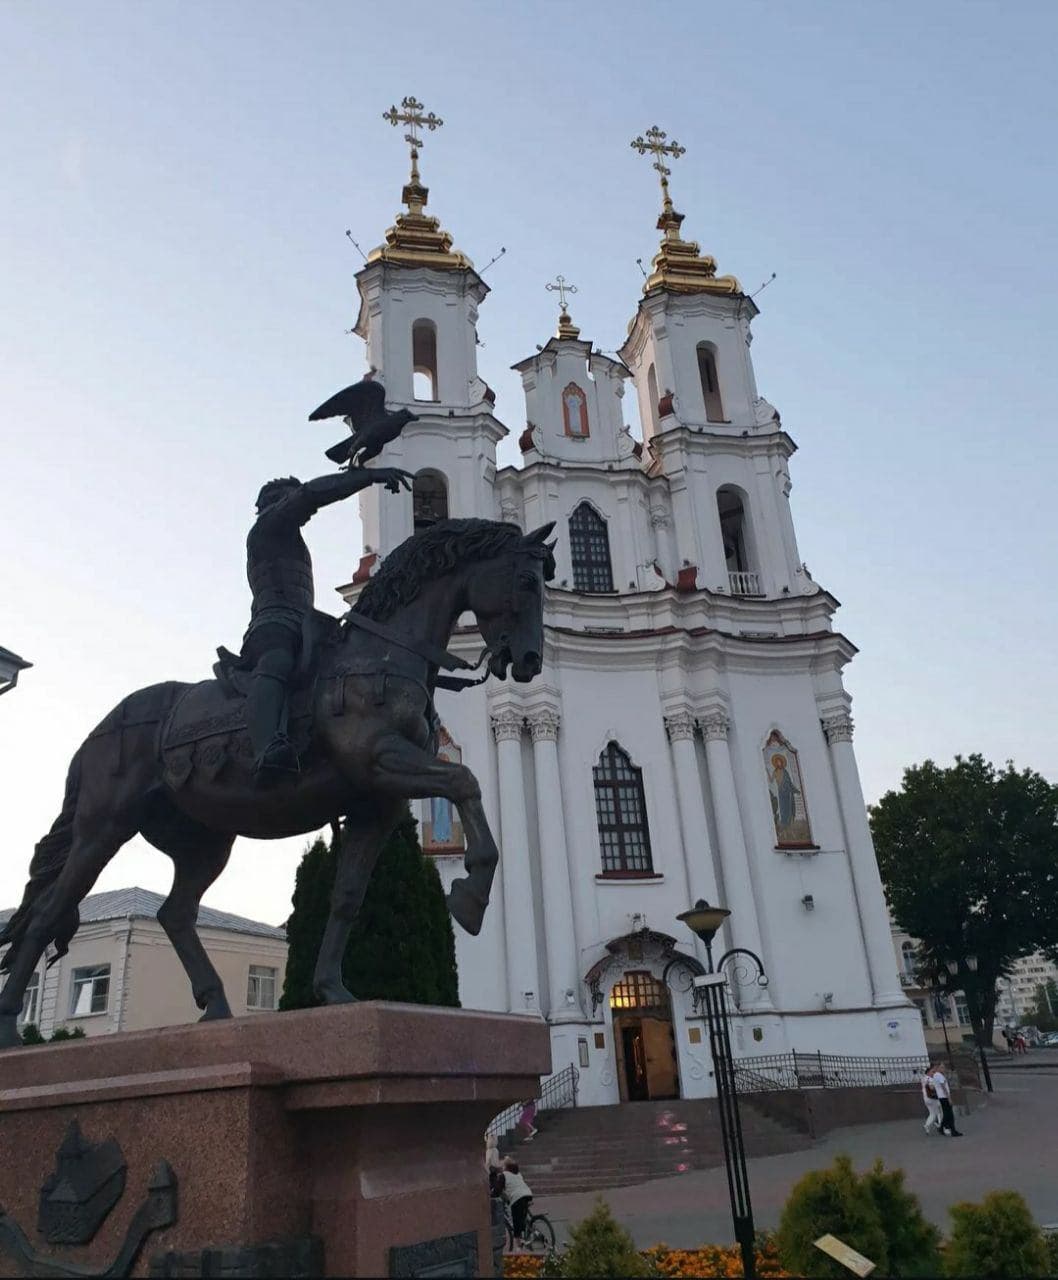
[(708, 1261)]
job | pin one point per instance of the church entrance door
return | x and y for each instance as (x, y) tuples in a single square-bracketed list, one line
[(643, 1039)]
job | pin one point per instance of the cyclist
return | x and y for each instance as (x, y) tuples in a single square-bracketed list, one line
[(518, 1195)]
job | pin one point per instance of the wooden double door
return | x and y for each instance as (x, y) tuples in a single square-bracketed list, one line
[(646, 1056)]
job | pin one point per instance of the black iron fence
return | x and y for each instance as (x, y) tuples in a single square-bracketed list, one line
[(558, 1092), (770, 1071)]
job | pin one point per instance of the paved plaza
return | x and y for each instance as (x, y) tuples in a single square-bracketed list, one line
[(1011, 1141)]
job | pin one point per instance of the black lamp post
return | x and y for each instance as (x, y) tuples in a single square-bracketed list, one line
[(711, 991), (953, 969)]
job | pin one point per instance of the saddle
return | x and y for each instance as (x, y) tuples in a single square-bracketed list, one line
[(205, 732)]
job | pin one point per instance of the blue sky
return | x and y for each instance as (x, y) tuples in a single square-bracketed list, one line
[(175, 284)]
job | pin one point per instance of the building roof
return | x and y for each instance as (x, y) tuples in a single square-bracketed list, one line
[(136, 903)]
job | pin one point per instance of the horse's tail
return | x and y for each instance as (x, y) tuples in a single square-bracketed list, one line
[(49, 858)]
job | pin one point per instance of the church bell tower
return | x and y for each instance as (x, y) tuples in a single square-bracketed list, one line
[(419, 300)]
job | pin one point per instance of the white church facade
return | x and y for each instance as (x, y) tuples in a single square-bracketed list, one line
[(690, 735)]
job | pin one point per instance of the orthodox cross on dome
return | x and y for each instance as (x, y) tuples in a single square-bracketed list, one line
[(655, 143), (412, 115), (566, 327)]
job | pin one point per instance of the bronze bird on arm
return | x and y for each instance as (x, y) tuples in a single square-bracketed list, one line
[(363, 405)]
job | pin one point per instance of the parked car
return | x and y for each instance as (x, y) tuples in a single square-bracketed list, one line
[(1049, 1040)]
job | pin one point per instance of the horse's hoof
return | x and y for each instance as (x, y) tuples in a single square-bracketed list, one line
[(464, 908), (217, 1010), (336, 994), (9, 1034)]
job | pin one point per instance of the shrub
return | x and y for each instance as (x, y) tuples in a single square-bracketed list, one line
[(64, 1033), (31, 1034), (831, 1201), (911, 1242), (997, 1237), (600, 1246)]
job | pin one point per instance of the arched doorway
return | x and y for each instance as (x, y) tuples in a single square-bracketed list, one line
[(644, 1041)]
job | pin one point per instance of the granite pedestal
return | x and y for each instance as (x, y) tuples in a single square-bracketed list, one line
[(355, 1129)]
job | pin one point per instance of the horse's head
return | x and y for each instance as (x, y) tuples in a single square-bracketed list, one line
[(506, 596)]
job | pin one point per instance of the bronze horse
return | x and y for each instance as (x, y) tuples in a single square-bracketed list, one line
[(373, 747)]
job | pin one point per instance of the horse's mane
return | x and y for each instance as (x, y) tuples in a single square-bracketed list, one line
[(432, 554)]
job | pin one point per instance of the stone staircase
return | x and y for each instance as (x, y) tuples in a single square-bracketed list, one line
[(586, 1148)]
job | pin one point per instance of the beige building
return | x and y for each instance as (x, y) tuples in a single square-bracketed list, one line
[(122, 974)]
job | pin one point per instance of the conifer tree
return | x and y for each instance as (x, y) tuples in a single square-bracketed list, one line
[(401, 948)]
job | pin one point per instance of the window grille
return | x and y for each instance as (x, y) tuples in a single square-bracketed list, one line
[(621, 810), (589, 545), (639, 989)]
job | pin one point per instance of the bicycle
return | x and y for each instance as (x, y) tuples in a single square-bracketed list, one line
[(539, 1234)]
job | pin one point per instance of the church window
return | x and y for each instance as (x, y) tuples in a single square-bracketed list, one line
[(589, 545), (639, 989), (621, 811), (743, 580), (575, 411), (787, 791), (652, 399), (424, 359), (429, 499), (714, 409)]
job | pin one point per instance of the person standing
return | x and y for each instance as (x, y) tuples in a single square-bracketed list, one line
[(943, 1091), (933, 1108)]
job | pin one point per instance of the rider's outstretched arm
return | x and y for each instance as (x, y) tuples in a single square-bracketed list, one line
[(321, 492)]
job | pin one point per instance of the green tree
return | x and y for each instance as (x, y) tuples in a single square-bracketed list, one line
[(600, 1246), (912, 1242), (969, 857), (836, 1202), (401, 948), (996, 1238), (1044, 1011)]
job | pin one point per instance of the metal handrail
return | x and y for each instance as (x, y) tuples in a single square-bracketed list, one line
[(558, 1092), (824, 1071)]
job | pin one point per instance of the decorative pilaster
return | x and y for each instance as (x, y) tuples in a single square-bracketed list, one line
[(866, 880), (523, 988), (734, 858), (694, 825), (563, 977)]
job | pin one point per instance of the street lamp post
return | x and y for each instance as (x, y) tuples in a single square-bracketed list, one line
[(710, 990), (953, 969)]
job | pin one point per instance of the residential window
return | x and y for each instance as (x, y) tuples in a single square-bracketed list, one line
[(91, 990), (31, 1000), (261, 987), (621, 810), (962, 1011), (589, 545)]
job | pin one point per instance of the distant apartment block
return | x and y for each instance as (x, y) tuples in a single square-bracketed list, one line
[(122, 974)]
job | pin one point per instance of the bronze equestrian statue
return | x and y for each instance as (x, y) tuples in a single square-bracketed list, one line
[(176, 763)]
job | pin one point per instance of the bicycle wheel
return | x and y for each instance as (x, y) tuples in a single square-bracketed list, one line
[(539, 1235)]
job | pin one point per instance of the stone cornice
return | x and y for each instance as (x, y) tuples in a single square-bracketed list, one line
[(750, 438)]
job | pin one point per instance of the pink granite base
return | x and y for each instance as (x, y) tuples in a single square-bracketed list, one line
[(361, 1125)]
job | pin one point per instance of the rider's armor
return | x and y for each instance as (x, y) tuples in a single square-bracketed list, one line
[(282, 585)]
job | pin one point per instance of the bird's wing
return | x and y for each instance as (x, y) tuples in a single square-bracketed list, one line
[(363, 402)]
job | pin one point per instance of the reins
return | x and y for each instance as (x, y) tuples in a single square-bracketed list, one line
[(431, 653)]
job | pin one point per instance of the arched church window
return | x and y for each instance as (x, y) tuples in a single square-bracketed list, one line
[(589, 545), (639, 989), (442, 832), (429, 499), (787, 791), (424, 359), (652, 399), (743, 580), (714, 409), (574, 411), (621, 812)]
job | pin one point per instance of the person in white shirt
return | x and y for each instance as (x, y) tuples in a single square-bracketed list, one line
[(940, 1085), (517, 1194), (929, 1097)]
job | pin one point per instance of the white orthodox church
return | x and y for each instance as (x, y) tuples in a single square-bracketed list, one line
[(690, 735)]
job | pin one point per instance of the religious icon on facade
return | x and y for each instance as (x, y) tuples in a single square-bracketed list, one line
[(442, 832), (786, 789), (574, 411)]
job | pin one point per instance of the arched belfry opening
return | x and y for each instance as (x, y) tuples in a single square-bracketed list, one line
[(714, 408), (424, 360), (652, 399), (743, 578), (429, 499)]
